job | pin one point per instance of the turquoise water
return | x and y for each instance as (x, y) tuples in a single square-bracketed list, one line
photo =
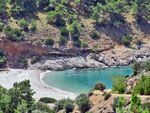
[(81, 81)]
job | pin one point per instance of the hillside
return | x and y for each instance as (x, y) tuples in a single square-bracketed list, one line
[(72, 28)]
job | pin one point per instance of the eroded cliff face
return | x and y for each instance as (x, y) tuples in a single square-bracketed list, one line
[(14, 51), (17, 49)]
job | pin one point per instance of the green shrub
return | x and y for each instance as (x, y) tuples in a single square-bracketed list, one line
[(68, 106), (75, 37), (24, 24), (84, 44), (77, 43), (135, 104), (106, 95), (33, 25), (139, 67), (99, 86), (147, 65), (1, 26), (37, 111), (43, 107), (34, 59), (119, 102), (59, 105), (95, 48), (95, 35), (146, 105), (49, 41), (75, 27), (63, 40), (143, 86), (136, 68), (83, 102), (47, 100), (2, 59), (23, 63), (126, 39), (119, 84), (56, 18), (13, 34), (64, 32)]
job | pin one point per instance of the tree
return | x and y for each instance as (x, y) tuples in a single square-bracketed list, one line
[(97, 12), (99, 86), (137, 68), (2, 59), (49, 41), (119, 84), (2, 9), (135, 104), (83, 102), (42, 4), (24, 24), (13, 34), (26, 93), (142, 9), (23, 6), (19, 99), (126, 40), (143, 86), (68, 106)]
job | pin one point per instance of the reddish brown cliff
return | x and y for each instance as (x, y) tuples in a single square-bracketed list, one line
[(17, 49)]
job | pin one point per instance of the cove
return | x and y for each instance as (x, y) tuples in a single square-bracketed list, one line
[(83, 80)]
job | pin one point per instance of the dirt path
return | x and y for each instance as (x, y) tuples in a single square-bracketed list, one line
[(143, 97)]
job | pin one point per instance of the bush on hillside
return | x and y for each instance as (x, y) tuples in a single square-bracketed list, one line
[(75, 28), (83, 102), (95, 35), (77, 43), (106, 95), (119, 102), (49, 41), (59, 105), (24, 24), (84, 44), (119, 84), (64, 32), (136, 104), (23, 63), (139, 67), (143, 86), (42, 107), (33, 25), (126, 40), (56, 18), (1, 26), (47, 100), (34, 59), (99, 86), (13, 34), (63, 40), (68, 106), (2, 59)]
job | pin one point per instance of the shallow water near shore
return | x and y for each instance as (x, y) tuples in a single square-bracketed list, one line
[(83, 80)]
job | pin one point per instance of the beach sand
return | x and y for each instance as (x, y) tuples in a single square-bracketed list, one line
[(8, 78)]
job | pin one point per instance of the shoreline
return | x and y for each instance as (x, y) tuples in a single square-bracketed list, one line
[(42, 75), (8, 78)]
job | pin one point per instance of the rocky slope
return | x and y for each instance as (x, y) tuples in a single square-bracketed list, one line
[(117, 56)]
